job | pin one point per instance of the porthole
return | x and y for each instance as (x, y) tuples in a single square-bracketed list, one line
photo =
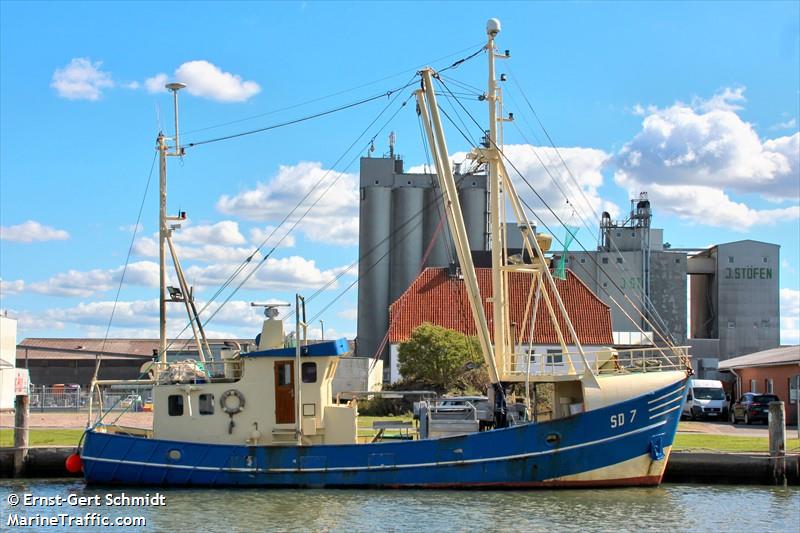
[(174, 455), (552, 439)]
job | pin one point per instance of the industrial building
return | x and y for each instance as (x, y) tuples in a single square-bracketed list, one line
[(647, 284), (735, 302), (634, 268), (402, 230), (72, 361)]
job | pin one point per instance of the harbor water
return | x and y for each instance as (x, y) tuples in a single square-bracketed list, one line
[(670, 507)]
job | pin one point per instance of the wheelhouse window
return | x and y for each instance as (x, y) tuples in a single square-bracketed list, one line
[(175, 405), (309, 372), (206, 404)]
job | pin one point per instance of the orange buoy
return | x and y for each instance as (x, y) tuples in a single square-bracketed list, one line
[(74, 464)]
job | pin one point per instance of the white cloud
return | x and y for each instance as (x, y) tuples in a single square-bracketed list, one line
[(533, 162), (11, 287), (585, 164), (222, 233), (790, 316), (27, 321), (31, 231), (284, 274), (348, 314), (270, 237), (132, 228), (207, 80), (148, 247), (334, 219), (156, 83), (83, 284), (711, 206), (139, 319), (730, 99), (785, 125), (691, 157), (81, 79)]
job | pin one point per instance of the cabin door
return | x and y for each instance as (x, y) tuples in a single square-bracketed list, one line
[(284, 392)]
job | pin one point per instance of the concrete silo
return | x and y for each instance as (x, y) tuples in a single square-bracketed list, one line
[(472, 195), (399, 214), (374, 245), (406, 236)]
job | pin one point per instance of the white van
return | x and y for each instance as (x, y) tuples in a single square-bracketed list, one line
[(706, 399)]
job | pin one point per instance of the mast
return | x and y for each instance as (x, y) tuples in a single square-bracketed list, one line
[(163, 231), (496, 205)]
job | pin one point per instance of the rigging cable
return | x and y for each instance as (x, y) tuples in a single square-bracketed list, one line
[(643, 298), (124, 271), (357, 103), (344, 91), (670, 342), (313, 204)]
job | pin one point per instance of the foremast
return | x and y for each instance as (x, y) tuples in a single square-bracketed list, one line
[(183, 294)]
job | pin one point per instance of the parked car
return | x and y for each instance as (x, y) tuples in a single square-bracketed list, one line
[(132, 401), (752, 407), (705, 399)]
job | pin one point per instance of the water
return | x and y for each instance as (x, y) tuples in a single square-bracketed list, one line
[(667, 508)]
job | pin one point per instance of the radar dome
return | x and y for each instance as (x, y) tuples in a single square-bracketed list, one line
[(492, 27)]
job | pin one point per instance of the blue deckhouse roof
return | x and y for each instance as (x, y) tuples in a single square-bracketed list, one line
[(335, 348)]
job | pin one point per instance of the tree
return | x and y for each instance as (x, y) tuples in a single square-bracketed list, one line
[(440, 357)]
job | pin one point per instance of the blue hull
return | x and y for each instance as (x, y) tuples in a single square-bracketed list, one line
[(555, 453)]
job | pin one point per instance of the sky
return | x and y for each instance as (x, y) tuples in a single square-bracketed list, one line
[(695, 103)]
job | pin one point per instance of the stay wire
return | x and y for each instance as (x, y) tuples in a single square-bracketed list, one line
[(328, 187), (242, 266), (662, 334), (337, 93), (363, 101), (98, 357), (644, 299)]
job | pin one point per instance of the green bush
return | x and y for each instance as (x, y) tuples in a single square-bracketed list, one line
[(442, 360)]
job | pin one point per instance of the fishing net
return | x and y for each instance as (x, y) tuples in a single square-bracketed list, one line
[(561, 267)]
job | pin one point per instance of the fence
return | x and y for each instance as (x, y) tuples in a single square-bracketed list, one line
[(75, 398)]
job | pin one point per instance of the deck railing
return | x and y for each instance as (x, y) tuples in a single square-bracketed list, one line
[(601, 362)]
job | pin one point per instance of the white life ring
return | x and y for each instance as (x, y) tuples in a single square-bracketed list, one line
[(237, 406)]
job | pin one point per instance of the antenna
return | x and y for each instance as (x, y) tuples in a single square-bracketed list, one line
[(392, 139), (175, 87)]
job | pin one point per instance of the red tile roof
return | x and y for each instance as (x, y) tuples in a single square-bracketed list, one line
[(437, 298)]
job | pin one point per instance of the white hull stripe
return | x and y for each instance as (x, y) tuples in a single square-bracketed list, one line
[(662, 405), (376, 467), (654, 400), (665, 412)]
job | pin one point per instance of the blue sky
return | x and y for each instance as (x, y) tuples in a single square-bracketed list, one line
[(697, 103)]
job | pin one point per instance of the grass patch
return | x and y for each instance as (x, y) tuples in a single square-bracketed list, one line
[(365, 422), (43, 437), (726, 443)]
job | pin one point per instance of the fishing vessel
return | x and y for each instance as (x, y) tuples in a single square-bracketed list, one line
[(267, 417)]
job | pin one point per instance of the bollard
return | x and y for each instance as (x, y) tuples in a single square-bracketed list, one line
[(777, 441), (20, 434)]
